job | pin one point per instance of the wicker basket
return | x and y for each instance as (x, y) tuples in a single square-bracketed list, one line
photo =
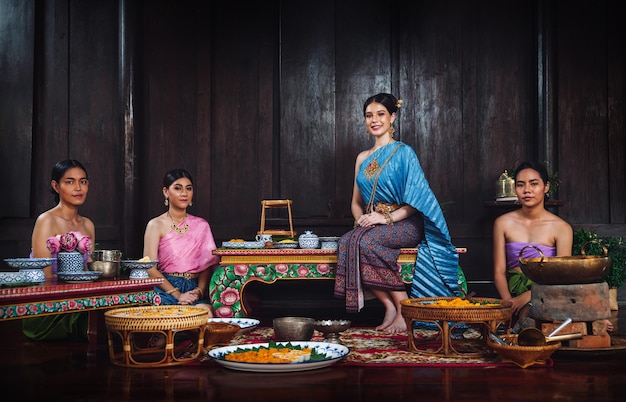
[(154, 318), (523, 356), (423, 309), (155, 336)]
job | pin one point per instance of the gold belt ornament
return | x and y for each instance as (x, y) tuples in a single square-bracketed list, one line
[(385, 208), (185, 275)]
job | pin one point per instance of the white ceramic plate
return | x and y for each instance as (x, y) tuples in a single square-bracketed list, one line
[(244, 323), (333, 351), (134, 264), (79, 277), (30, 263)]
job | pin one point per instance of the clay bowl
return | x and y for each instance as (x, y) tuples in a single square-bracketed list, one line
[(219, 333), (565, 270), (522, 356), (293, 328)]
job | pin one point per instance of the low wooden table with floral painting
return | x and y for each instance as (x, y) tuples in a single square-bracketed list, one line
[(52, 297), (239, 267)]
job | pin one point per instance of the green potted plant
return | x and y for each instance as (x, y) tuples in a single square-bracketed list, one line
[(616, 249)]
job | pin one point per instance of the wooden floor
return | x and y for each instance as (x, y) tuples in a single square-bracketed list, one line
[(72, 372)]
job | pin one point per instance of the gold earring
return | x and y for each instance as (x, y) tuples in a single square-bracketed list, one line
[(391, 131), (166, 202)]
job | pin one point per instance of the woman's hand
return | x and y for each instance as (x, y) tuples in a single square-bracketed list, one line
[(189, 297), (372, 219)]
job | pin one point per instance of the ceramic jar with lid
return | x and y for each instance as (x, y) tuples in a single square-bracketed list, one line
[(309, 240)]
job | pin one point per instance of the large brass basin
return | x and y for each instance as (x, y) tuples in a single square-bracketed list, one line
[(565, 270)]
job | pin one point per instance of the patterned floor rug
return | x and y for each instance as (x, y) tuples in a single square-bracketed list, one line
[(370, 347)]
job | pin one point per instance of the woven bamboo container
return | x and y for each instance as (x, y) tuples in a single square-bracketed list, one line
[(424, 309), (155, 336), (523, 356), (489, 314)]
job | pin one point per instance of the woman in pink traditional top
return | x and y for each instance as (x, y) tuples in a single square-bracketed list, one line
[(182, 243)]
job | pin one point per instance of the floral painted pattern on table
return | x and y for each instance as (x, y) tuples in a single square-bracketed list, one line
[(228, 280), (78, 304)]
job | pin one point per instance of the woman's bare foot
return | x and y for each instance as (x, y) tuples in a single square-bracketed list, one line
[(397, 326), (390, 315)]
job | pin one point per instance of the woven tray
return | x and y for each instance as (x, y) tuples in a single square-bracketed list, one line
[(423, 309), (156, 318)]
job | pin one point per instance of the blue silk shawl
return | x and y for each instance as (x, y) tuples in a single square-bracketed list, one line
[(402, 181)]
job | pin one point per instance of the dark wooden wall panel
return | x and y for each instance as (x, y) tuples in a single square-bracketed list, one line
[(616, 87), (94, 135), (307, 107), (51, 114), (431, 83), (242, 125), (170, 110), (363, 68), (582, 113), (17, 38)]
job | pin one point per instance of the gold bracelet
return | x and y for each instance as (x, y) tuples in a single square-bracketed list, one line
[(389, 218), (169, 292), (201, 292)]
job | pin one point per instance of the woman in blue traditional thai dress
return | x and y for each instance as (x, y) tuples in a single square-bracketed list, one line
[(393, 207)]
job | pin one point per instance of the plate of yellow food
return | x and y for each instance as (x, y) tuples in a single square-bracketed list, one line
[(279, 357), (286, 243)]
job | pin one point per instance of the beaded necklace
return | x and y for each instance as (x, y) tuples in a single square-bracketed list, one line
[(177, 228)]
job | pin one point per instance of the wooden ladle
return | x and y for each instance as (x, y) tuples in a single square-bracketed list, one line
[(534, 337)]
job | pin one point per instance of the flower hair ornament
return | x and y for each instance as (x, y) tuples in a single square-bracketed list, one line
[(399, 103)]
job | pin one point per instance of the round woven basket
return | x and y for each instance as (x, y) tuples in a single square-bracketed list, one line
[(424, 309), (156, 318), (523, 356)]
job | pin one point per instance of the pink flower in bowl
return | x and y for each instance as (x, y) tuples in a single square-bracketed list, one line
[(84, 244), (69, 241), (54, 244)]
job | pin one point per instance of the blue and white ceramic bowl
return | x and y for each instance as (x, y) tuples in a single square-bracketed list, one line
[(34, 275), (28, 263), (12, 278)]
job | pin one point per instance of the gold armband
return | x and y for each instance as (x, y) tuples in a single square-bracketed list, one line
[(169, 292)]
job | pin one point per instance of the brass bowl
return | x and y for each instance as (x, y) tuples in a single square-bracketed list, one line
[(332, 328), (565, 270), (293, 328)]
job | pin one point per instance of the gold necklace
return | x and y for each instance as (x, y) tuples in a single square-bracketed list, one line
[(176, 227), (373, 168)]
